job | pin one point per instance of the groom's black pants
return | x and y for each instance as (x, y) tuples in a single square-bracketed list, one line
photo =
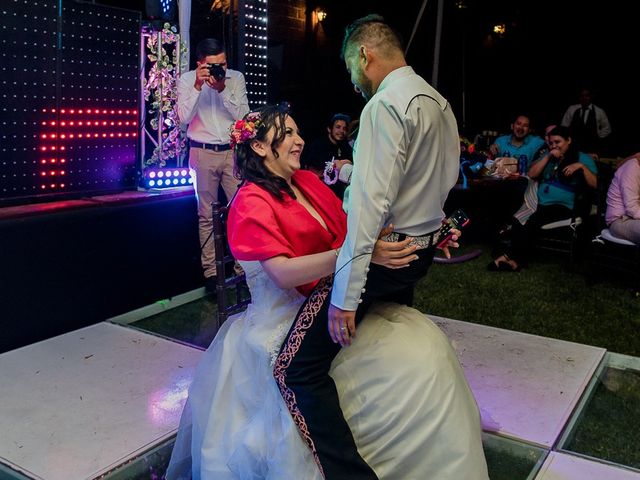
[(302, 368)]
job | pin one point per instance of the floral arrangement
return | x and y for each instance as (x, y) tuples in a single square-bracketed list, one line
[(473, 162), (466, 147), (161, 89), (246, 129)]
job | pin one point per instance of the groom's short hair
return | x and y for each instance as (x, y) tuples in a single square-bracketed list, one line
[(372, 30)]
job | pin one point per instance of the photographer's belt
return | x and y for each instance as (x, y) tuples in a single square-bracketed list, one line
[(422, 241), (210, 146)]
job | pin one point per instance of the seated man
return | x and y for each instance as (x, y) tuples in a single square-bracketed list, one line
[(333, 146), (519, 142), (506, 199)]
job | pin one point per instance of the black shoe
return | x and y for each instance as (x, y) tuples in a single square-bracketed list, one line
[(211, 284)]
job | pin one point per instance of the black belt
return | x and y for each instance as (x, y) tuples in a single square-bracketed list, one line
[(210, 146)]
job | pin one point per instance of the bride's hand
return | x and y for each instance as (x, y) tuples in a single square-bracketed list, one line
[(393, 254), (451, 243)]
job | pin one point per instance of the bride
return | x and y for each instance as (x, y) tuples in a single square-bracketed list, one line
[(401, 387)]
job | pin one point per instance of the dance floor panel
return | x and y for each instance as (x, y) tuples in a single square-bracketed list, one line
[(105, 401), (528, 384), (560, 466), (78, 405)]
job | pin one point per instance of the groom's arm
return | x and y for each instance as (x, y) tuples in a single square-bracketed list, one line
[(374, 186)]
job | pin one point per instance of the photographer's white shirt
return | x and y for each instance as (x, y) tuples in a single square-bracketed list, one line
[(209, 113)]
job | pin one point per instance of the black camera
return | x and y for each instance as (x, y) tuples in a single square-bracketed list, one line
[(216, 70)]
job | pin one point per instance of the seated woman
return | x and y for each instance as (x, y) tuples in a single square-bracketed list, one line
[(561, 173), (623, 201), (401, 387)]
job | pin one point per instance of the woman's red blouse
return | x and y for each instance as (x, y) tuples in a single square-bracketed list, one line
[(261, 227)]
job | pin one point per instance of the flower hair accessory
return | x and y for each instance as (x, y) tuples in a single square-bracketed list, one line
[(245, 129)]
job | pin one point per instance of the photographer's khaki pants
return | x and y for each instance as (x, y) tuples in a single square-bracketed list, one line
[(209, 170)]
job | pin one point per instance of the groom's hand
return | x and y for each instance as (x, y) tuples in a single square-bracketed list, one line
[(342, 325)]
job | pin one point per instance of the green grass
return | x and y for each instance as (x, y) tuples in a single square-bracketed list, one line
[(608, 428), (546, 299)]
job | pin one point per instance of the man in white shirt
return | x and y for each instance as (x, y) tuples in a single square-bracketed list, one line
[(406, 161), (589, 124), (210, 99)]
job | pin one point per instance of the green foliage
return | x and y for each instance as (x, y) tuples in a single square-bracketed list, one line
[(544, 299), (160, 89)]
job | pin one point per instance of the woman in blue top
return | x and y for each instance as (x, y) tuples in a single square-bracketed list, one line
[(561, 173)]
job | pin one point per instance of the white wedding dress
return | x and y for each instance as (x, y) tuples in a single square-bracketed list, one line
[(401, 389)]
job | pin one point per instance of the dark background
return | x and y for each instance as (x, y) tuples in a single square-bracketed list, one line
[(549, 51)]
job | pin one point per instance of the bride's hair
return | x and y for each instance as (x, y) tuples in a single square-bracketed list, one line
[(249, 166)]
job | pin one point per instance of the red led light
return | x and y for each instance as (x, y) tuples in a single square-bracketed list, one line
[(63, 136), (104, 123), (44, 124), (63, 148), (63, 124), (43, 186), (134, 134), (53, 160), (112, 112), (62, 185), (104, 111), (80, 123), (111, 135), (62, 160), (62, 172), (88, 110), (43, 161), (44, 110), (44, 135), (72, 111), (62, 111), (95, 135), (79, 135), (43, 174), (43, 149), (80, 112), (126, 134), (52, 172), (53, 110), (104, 135), (53, 185), (119, 134), (72, 124), (52, 124), (71, 135), (119, 112)]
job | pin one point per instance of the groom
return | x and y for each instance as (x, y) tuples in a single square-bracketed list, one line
[(405, 162)]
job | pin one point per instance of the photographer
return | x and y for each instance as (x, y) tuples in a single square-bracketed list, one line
[(210, 98)]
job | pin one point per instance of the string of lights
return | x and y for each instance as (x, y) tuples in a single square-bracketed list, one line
[(253, 49)]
